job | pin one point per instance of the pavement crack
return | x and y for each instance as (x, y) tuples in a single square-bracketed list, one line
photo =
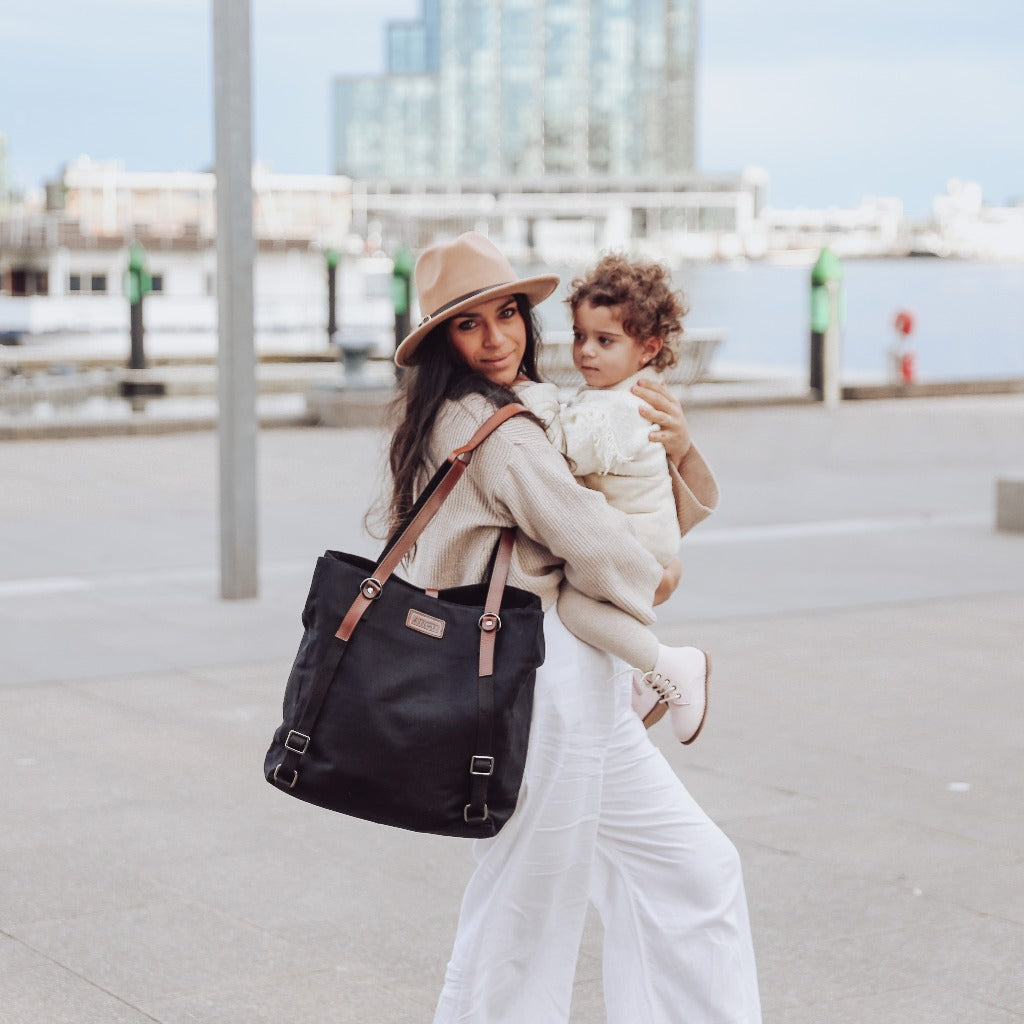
[(81, 977)]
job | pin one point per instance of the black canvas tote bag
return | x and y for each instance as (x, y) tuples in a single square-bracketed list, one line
[(412, 707)]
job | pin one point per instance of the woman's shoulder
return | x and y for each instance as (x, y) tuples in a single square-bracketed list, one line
[(459, 418)]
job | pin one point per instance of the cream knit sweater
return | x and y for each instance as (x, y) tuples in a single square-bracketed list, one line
[(517, 478)]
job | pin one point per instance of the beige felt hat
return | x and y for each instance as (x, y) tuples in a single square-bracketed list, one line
[(452, 276)]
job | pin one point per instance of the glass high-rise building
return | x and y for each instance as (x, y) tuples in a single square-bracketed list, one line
[(489, 88)]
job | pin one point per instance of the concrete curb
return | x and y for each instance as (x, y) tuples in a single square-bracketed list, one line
[(936, 389), (328, 403), (138, 427)]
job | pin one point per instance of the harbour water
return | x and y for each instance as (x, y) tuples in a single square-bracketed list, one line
[(969, 317), (969, 320)]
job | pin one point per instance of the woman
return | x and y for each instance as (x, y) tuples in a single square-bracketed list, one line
[(601, 815)]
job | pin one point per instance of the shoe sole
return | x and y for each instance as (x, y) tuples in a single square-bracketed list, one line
[(655, 715), (704, 717)]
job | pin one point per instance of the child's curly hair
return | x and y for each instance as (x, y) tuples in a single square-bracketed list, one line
[(650, 306)]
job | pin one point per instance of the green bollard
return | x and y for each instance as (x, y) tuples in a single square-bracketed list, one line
[(138, 285), (826, 325), (401, 283), (137, 384), (332, 259)]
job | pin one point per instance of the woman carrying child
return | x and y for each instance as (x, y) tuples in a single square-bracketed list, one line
[(601, 815)]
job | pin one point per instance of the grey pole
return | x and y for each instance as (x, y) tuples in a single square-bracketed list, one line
[(831, 386), (236, 360)]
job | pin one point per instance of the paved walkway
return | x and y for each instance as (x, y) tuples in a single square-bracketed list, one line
[(864, 749)]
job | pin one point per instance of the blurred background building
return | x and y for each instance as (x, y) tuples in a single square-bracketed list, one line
[(497, 88), (5, 180), (556, 126), (63, 261)]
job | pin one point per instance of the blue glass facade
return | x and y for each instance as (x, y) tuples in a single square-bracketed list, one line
[(479, 88)]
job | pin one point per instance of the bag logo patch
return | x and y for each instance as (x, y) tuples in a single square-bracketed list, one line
[(423, 623)]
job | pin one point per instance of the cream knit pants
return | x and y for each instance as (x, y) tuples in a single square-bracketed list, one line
[(603, 818)]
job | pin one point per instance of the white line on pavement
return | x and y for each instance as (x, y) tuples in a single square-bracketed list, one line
[(832, 528), (729, 535)]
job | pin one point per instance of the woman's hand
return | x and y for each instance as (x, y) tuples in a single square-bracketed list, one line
[(666, 413), (669, 581)]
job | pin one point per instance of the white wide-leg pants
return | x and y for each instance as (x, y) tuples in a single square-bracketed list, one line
[(601, 817)]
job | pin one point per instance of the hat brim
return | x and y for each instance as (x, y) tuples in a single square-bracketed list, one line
[(536, 290)]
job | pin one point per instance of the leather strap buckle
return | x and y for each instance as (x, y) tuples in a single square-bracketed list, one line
[(489, 622), (295, 778), (297, 742), (475, 821), (481, 764)]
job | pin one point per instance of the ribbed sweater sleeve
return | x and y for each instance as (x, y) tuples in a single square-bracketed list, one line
[(516, 478), (695, 490), (596, 543)]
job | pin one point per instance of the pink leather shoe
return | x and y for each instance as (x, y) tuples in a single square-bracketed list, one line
[(678, 684), (646, 704)]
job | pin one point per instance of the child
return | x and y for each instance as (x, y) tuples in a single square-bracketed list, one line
[(626, 323)]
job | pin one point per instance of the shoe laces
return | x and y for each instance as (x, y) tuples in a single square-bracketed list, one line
[(664, 688)]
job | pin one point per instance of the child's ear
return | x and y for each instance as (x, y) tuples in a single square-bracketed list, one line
[(650, 348)]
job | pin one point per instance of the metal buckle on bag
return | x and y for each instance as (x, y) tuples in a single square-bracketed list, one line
[(301, 742), (482, 760), (371, 588), (474, 821), (489, 622), (295, 778)]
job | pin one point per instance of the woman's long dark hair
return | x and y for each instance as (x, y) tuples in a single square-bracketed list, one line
[(439, 375)]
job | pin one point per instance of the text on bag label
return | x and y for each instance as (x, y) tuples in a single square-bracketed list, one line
[(424, 623)]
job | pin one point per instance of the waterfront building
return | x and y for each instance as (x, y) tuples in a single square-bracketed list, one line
[(875, 227), (566, 219), (557, 127), (62, 267), (963, 225), (505, 88)]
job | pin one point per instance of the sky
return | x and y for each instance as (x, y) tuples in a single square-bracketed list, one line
[(835, 99)]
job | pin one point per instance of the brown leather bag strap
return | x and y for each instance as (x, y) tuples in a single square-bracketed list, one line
[(490, 621), (506, 412), (437, 491)]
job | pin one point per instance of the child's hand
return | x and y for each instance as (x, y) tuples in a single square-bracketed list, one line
[(665, 412), (669, 581)]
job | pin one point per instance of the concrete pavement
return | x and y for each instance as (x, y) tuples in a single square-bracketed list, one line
[(864, 748)]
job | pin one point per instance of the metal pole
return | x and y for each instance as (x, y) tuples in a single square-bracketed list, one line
[(236, 362)]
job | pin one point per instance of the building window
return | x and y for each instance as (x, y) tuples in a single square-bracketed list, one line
[(156, 283), (74, 282), (98, 284), (24, 281)]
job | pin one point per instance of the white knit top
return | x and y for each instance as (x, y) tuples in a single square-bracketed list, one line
[(609, 448)]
